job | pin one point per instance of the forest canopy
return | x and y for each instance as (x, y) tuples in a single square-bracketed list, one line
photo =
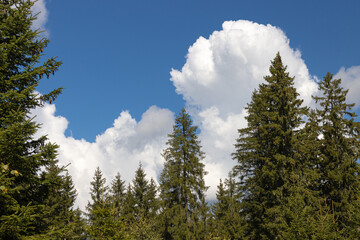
[(296, 173)]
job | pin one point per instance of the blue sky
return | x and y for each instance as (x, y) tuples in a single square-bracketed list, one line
[(130, 66), (117, 55)]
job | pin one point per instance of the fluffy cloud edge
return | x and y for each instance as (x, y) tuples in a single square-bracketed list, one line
[(200, 81), (119, 149), (350, 80), (39, 9)]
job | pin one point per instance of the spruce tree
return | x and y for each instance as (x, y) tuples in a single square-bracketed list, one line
[(153, 203), (142, 207), (98, 190), (140, 190), (228, 221), (22, 66), (101, 216), (221, 207), (182, 183), (129, 204), (339, 145), (59, 218), (268, 151), (118, 195)]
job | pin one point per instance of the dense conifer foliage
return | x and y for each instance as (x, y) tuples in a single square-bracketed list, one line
[(296, 174), (182, 183), (37, 196), (117, 195), (227, 222), (103, 217), (142, 207), (270, 169), (339, 143)]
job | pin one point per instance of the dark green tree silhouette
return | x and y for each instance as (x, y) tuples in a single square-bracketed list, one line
[(118, 195), (228, 221), (270, 167), (102, 221), (182, 184), (339, 145), (23, 157), (98, 191), (142, 205), (59, 219)]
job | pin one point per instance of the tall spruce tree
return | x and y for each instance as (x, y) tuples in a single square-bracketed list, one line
[(270, 168), (182, 183), (22, 66), (339, 145)]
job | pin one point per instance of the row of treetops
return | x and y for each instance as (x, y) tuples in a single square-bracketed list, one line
[(293, 179)]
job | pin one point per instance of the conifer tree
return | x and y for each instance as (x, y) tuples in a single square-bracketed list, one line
[(98, 190), (339, 145), (221, 206), (228, 222), (101, 216), (153, 203), (142, 207), (182, 183), (118, 194), (22, 66), (59, 219), (269, 166), (129, 205), (140, 190)]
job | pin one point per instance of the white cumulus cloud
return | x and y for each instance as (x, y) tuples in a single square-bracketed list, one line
[(40, 9), (350, 79), (218, 79), (119, 149), (224, 69)]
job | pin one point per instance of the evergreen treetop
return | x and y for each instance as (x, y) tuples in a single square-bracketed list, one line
[(37, 180), (98, 190), (182, 182), (118, 193), (339, 144), (266, 150)]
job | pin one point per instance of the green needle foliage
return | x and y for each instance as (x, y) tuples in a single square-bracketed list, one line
[(98, 191), (118, 195), (228, 222), (36, 196), (182, 183), (339, 145), (59, 219), (292, 180), (142, 206), (144, 192), (99, 210), (269, 169), (103, 215)]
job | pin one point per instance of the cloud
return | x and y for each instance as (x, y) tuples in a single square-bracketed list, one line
[(217, 138), (40, 8), (350, 79), (119, 149), (224, 69), (218, 79)]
